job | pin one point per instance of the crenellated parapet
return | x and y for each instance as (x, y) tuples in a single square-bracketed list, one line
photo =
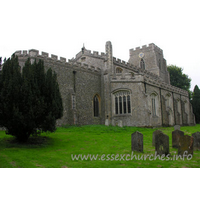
[(124, 64), (35, 54), (94, 54), (151, 46), (160, 84), (53, 59), (86, 67), (144, 76)]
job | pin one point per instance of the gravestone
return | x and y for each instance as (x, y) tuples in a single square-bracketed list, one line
[(137, 141), (185, 144), (153, 137), (196, 143), (177, 127), (175, 138), (106, 122), (161, 143), (120, 123)]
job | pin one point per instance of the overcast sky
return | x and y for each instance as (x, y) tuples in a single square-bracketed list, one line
[(61, 27)]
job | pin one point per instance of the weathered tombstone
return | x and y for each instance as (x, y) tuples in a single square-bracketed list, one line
[(185, 144), (196, 143), (153, 137), (137, 141), (106, 122), (175, 138), (177, 127), (120, 123), (161, 143)]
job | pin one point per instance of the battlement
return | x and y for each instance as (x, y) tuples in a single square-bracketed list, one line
[(35, 53), (151, 46), (95, 54), (86, 67), (54, 58), (125, 64), (159, 83)]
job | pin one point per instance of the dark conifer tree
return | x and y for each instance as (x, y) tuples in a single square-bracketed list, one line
[(196, 103), (30, 101)]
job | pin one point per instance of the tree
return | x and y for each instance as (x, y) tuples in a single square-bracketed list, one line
[(30, 101), (177, 78), (196, 103)]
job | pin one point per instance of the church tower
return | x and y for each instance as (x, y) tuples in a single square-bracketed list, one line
[(150, 58)]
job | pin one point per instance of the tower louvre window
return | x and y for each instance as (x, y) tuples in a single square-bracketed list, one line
[(142, 64)]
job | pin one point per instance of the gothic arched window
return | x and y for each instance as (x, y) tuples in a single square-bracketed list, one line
[(142, 64), (153, 103), (96, 106), (122, 102)]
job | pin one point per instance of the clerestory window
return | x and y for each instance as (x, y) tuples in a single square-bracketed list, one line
[(119, 70), (122, 102)]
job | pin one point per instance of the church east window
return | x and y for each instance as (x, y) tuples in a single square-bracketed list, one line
[(142, 64), (122, 102), (96, 106)]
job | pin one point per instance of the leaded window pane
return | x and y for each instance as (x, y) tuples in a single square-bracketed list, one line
[(120, 105), (116, 105), (124, 102), (129, 104)]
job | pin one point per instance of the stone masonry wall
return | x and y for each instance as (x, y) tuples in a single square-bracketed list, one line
[(83, 84), (154, 102)]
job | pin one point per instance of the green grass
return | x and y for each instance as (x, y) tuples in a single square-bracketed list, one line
[(54, 150)]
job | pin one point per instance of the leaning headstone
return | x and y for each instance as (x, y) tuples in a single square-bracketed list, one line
[(137, 141), (161, 143), (196, 143), (175, 138), (177, 127), (153, 137), (185, 144), (106, 122)]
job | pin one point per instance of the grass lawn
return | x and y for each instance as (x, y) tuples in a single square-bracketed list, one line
[(54, 150)]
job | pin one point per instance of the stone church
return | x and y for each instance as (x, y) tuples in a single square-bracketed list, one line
[(98, 88)]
